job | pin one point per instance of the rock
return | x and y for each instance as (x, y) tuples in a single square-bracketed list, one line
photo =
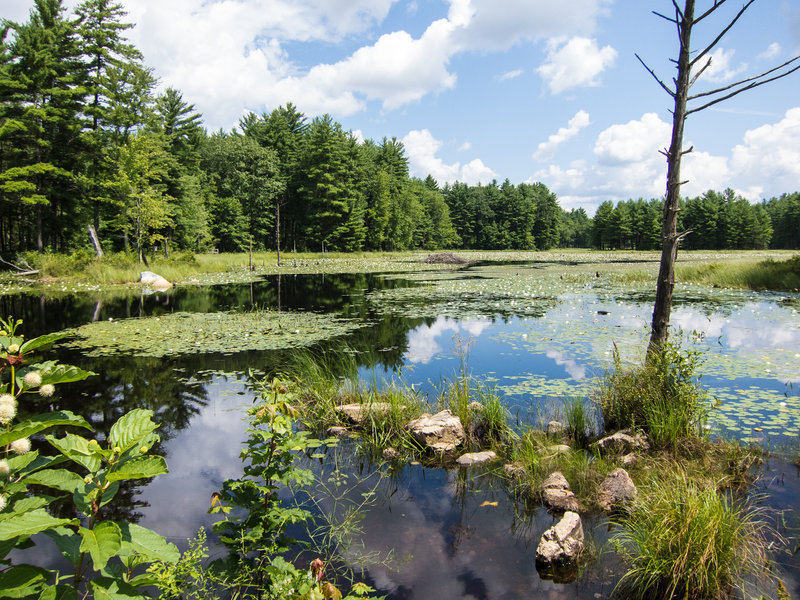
[(622, 443), (558, 449), (441, 432), (155, 281), (390, 454), (513, 470), (561, 543), (616, 491), (475, 458), (337, 431), (556, 494), (555, 428), (628, 460), (357, 412), (475, 407)]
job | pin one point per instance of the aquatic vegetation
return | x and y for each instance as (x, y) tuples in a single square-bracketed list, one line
[(685, 539), (769, 274), (225, 332)]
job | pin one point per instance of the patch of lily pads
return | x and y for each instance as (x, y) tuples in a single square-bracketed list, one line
[(223, 332)]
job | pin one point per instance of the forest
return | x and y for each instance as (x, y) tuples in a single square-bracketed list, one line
[(87, 142)]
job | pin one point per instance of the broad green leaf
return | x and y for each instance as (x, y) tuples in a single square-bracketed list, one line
[(24, 505), (63, 374), (106, 588), (148, 543), (138, 467), (59, 592), (29, 523), (68, 542), (22, 581), (43, 341), (102, 542), (132, 428), (78, 449), (40, 423), (60, 479), (32, 461)]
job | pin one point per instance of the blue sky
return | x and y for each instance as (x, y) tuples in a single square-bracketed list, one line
[(528, 90)]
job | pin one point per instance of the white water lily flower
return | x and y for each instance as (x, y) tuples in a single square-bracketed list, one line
[(21, 446)]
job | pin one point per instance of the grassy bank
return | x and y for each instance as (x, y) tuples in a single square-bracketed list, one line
[(769, 274)]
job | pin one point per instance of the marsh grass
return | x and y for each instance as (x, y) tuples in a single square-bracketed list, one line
[(662, 396), (685, 539), (580, 422), (769, 274)]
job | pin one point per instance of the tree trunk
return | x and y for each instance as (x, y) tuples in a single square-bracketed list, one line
[(278, 230), (95, 241), (662, 308)]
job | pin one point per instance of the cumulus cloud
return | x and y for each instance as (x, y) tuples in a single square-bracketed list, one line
[(721, 68), (422, 148), (575, 62), (773, 51), (510, 75), (546, 150)]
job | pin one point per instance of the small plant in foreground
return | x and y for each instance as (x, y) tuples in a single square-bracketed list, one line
[(684, 539)]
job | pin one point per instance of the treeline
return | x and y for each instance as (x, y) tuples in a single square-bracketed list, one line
[(712, 221), (85, 141)]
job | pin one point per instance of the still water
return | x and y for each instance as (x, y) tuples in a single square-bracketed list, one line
[(432, 532)]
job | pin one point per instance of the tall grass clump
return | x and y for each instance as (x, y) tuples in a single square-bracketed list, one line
[(683, 539), (663, 397), (767, 274), (579, 421)]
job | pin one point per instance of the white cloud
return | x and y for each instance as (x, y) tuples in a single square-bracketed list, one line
[(773, 51), (576, 62), (510, 75), (421, 149), (423, 342), (721, 68), (632, 142), (546, 150), (771, 154), (465, 146)]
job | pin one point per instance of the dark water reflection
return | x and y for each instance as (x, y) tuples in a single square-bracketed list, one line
[(466, 537)]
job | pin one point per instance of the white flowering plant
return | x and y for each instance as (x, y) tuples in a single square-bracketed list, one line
[(106, 555)]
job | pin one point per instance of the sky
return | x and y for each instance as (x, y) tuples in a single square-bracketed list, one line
[(482, 90)]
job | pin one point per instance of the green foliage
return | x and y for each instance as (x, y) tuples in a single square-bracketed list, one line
[(663, 397), (579, 423), (684, 539), (105, 555)]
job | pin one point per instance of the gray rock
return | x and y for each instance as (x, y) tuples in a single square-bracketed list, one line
[(622, 442), (356, 413), (555, 428), (629, 459), (513, 470), (476, 458), (616, 491), (563, 542), (558, 449), (390, 454), (337, 431), (441, 432), (556, 494), (155, 281)]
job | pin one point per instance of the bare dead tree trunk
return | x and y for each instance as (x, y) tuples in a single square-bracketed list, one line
[(665, 285), (95, 241), (278, 230)]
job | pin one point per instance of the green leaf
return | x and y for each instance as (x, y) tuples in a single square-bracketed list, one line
[(43, 341), (58, 373), (131, 428), (68, 542), (148, 543), (40, 423), (102, 542), (24, 505), (31, 461), (22, 581), (106, 588), (59, 592), (60, 479), (30, 522), (78, 450), (138, 467)]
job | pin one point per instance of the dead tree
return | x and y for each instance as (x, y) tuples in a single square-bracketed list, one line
[(690, 66)]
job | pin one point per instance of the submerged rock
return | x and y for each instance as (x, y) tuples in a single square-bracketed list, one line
[(476, 458), (155, 281), (337, 431), (514, 470), (556, 494), (562, 543), (616, 491), (390, 454), (356, 413), (441, 432)]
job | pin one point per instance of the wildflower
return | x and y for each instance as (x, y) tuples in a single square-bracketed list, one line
[(32, 379), (4, 468), (7, 412), (47, 390), (2, 502), (8, 399), (13, 349), (21, 446)]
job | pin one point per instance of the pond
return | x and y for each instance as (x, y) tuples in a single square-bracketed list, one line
[(535, 332)]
